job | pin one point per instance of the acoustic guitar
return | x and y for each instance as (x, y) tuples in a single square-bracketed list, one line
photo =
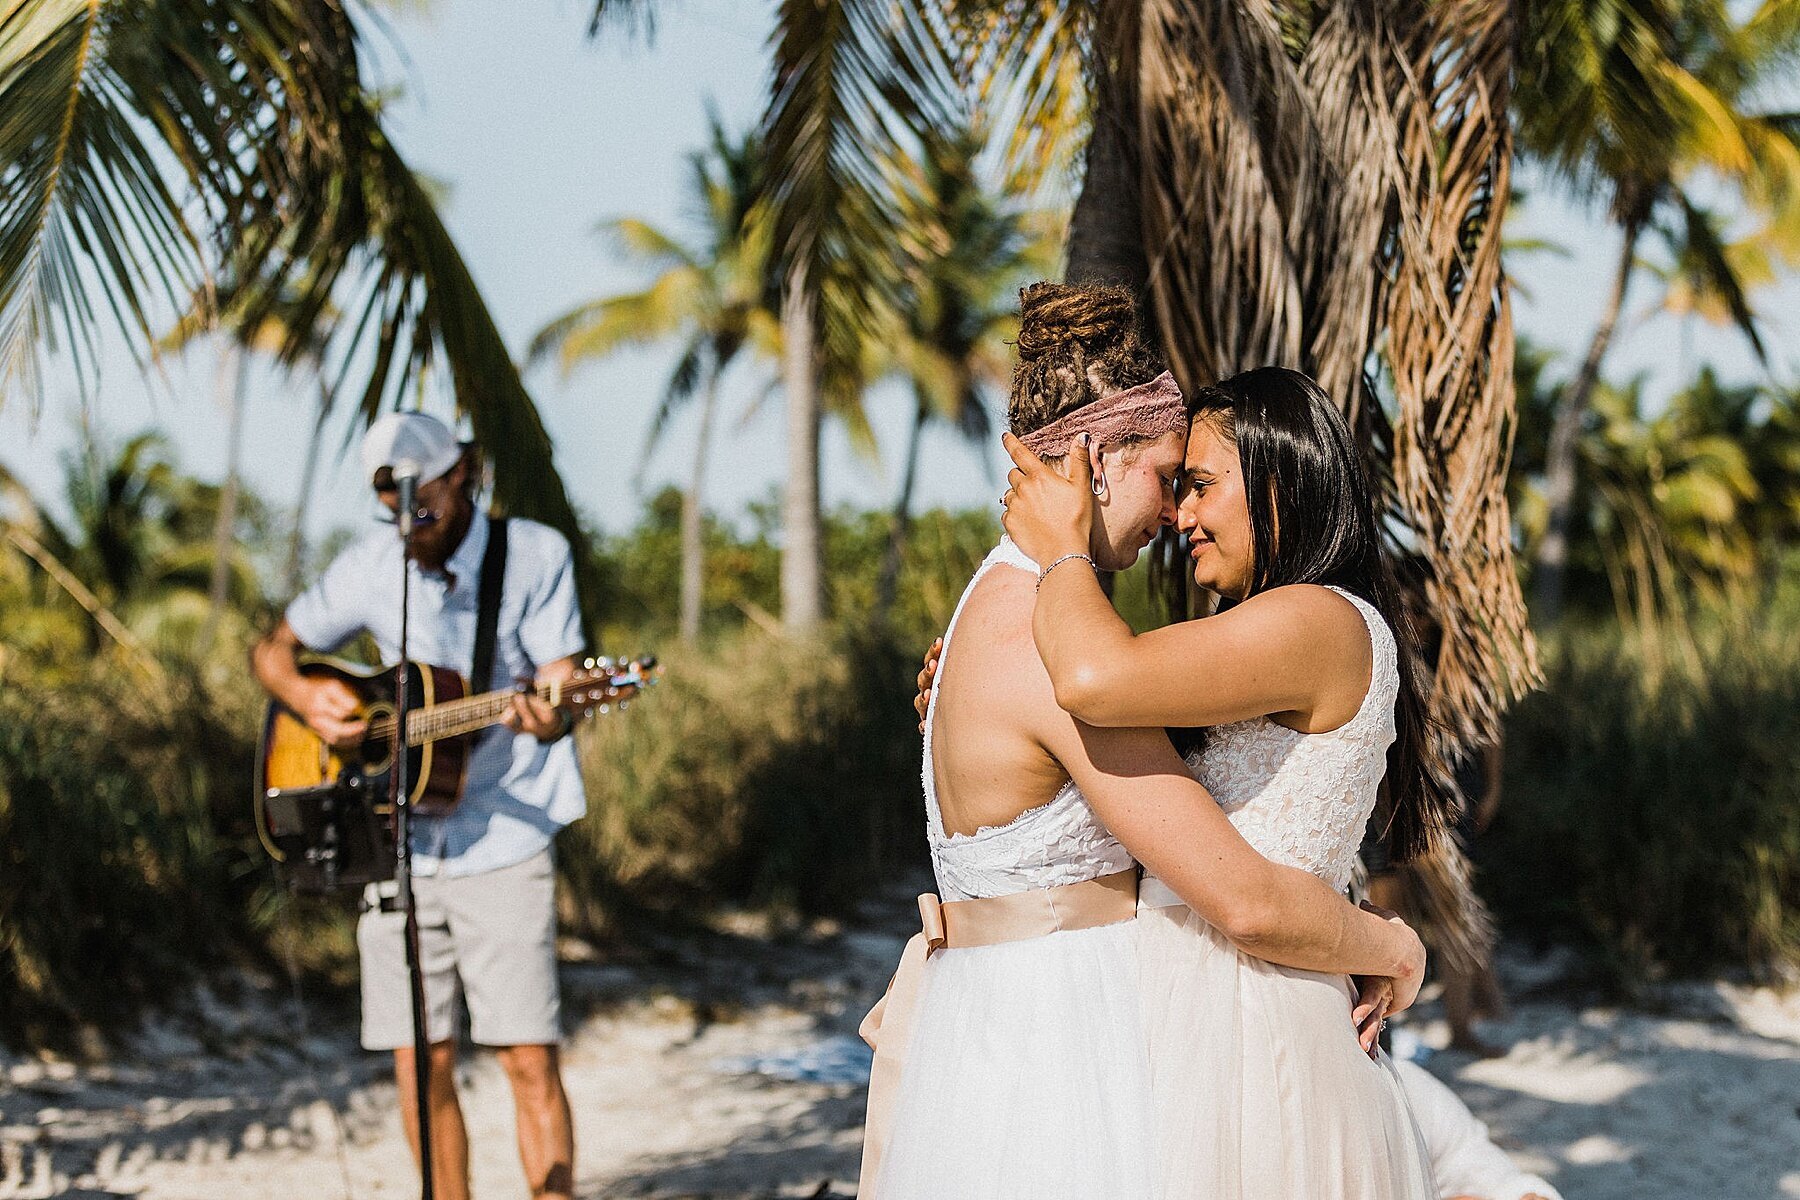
[(307, 789)]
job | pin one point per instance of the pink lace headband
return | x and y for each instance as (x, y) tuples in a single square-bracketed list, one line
[(1148, 410)]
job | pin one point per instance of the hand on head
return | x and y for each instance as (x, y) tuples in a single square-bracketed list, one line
[(1050, 513)]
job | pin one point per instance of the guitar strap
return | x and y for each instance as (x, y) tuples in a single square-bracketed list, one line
[(487, 612)]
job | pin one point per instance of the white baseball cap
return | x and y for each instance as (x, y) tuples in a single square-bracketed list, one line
[(410, 437)]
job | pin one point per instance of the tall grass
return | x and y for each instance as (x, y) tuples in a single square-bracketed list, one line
[(121, 877), (1652, 806), (762, 771)]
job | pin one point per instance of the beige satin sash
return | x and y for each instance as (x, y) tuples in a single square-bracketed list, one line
[(986, 921)]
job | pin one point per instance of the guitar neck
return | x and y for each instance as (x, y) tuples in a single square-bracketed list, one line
[(431, 722)]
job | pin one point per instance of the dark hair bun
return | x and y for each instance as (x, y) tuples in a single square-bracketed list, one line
[(1053, 316), (1077, 342)]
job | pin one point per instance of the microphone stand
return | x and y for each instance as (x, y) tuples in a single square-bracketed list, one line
[(401, 785)]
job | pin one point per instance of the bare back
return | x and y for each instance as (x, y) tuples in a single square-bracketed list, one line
[(994, 699)]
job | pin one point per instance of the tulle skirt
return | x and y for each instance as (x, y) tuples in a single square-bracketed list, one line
[(1258, 1087), (1026, 1076)]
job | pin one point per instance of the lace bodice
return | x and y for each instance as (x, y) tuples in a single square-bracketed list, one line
[(1304, 799), (1060, 841)]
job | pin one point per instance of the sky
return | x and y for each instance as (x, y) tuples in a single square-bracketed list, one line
[(539, 134)]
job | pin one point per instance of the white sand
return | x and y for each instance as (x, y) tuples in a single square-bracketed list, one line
[(1700, 1099)]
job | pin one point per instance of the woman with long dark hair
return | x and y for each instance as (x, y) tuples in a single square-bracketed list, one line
[(1306, 695), (1010, 1056)]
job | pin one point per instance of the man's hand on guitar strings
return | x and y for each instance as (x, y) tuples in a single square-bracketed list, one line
[(333, 711)]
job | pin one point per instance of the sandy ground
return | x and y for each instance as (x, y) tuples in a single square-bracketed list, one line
[(1697, 1095)]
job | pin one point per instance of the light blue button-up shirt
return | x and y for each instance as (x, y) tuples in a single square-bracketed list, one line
[(518, 791)]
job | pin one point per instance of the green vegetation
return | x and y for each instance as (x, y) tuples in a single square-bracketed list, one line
[(1652, 814), (125, 864), (906, 174)]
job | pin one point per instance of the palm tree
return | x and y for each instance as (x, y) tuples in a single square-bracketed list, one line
[(1318, 184), (1629, 108), (150, 148), (851, 79), (136, 549), (1671, 496), (1668, 509), (957, 307), (718, 297)]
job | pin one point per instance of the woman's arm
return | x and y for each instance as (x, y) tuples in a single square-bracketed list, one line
[(1228, 911), (1279, 652), (1143, 793), (1290, 650)]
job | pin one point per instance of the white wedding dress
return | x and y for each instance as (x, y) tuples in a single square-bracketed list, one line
[(1259, 1088), (1026, 1077)]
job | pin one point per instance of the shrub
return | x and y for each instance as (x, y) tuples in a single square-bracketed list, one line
[(763, 771), (116, 882), (1655, 815)]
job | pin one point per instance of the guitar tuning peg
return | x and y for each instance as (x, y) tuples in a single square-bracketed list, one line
[(587, 664)]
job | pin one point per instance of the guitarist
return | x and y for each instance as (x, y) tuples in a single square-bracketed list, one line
[(484, 885)]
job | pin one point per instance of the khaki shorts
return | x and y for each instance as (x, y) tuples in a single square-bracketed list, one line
[(494, 933)]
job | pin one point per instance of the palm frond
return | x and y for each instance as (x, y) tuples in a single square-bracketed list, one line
[(647, 244), (691, 365), (1709, 264), (635, 16), (139, 142), (852, 77), (596, 329), (1024, 65), (1275, 172), (80, 186)]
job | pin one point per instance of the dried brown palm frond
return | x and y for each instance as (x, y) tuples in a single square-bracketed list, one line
[(1438, 899), (1326, 193)]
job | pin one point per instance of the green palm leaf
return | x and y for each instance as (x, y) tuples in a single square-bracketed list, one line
[(121, 121)]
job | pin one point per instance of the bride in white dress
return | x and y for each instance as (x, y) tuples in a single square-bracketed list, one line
[(1011, 1060), (1258, 1090)]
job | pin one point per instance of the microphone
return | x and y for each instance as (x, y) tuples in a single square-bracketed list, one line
[(406, 479)]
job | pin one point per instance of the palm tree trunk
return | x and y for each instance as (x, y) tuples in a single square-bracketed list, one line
[(693, 530), (1106, 230), (802, 561), (1551, 569), (309, 470), (889, 585), (234, 365)]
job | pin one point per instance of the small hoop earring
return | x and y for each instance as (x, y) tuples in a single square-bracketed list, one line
[(1099, 484)]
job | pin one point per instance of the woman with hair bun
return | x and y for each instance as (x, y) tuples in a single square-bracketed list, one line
[(1306, 694), (1011, 1057)]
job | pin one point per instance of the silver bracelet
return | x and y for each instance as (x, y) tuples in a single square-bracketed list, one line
[(1059, 562)]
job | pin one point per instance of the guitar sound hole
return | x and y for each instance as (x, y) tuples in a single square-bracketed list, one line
[(378, 753)]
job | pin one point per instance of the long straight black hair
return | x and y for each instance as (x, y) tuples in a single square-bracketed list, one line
[(1312, 520)]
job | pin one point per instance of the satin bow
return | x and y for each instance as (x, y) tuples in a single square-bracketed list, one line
[(888, 1030)]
